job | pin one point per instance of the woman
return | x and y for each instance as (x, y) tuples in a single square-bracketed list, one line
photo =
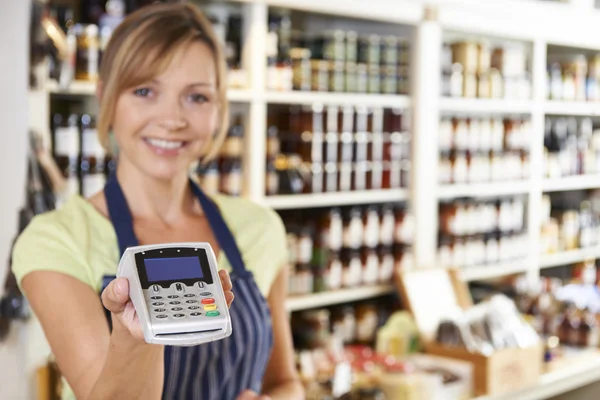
[(162, 97)]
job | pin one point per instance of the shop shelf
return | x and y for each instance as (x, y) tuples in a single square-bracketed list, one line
[(82, 88), (576, 108), (305, 302), (568, 257), (490, 189), (403, 11), (468, 105), (282, 202), (493, 270), (333, 98), (580, 182)]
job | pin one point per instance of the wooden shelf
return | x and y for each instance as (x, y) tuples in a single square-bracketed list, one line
[(335, 199), (305, 302)]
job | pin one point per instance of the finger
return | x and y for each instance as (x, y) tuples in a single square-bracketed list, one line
[(116, 295), (247, 395), (229, 296), (225, 280)]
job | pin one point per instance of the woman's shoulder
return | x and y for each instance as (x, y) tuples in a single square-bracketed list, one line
[(243, 212), (54, 240), (261, 236)]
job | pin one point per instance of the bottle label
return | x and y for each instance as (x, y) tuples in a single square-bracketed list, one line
[(334, 236), (371, 234), (305, 249), (387, 229), (66, 142), (210, 183), (92, 184), (386, 268), (370, 273), (232, 147), (232, 183), (334, 275), (90, 144)]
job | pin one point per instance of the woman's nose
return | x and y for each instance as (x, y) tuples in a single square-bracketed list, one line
[(174, 117)]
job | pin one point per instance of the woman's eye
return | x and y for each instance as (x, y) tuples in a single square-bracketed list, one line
[(142, 92), (198, 98)]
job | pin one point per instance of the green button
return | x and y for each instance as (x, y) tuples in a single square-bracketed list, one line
[(212, 313)]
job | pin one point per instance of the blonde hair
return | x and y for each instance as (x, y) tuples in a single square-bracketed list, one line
[(142, 47)]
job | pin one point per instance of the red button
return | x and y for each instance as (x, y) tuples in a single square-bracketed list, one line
[(208, 301)]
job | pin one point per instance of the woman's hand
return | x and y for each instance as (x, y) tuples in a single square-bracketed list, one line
[(250, 395), (116, 299)]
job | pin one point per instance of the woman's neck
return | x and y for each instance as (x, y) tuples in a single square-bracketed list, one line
[(150, 198)]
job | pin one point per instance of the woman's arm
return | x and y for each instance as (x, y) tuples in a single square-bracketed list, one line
[(95, 363), (281, 377)]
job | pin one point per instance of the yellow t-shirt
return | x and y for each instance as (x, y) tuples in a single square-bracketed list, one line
[(79, 241)]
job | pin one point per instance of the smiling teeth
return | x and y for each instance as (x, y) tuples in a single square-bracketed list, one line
[(165, 144)]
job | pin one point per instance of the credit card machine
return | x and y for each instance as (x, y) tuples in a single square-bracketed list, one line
[(177, 293)]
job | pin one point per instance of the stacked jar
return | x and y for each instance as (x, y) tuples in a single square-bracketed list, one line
[(331, 149), (474, 233), (479, 149), (347, 247)]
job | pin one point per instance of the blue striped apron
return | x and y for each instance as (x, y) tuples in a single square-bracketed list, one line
[(218, 370)]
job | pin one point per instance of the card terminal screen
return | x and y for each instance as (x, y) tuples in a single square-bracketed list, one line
[(173, 268)]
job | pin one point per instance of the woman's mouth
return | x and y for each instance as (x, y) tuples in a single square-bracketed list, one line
[(166, 147)]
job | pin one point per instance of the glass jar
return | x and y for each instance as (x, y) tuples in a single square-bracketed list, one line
[(334, 271), (319, 75), (301, 68), (87, 55), (370, 266), (352, 268), (353, 230), (337, 79)]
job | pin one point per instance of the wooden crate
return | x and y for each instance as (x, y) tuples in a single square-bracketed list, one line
[(430, 295)]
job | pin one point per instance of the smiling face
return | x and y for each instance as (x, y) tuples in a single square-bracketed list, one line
[(164, 124)]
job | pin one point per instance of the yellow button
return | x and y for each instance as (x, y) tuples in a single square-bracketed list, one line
[(210, 307)]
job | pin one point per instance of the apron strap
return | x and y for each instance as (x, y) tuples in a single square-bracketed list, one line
[(221, 231), (119, 214)]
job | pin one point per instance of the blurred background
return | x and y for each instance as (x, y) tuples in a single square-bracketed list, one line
[(435, 162)]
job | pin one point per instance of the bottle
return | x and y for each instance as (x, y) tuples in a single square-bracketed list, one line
[(93, 175), (271, 179), (67, 152), (589, 330), (88, 48), (371, 227), (353, 230), (209, 177), (231, 176)]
